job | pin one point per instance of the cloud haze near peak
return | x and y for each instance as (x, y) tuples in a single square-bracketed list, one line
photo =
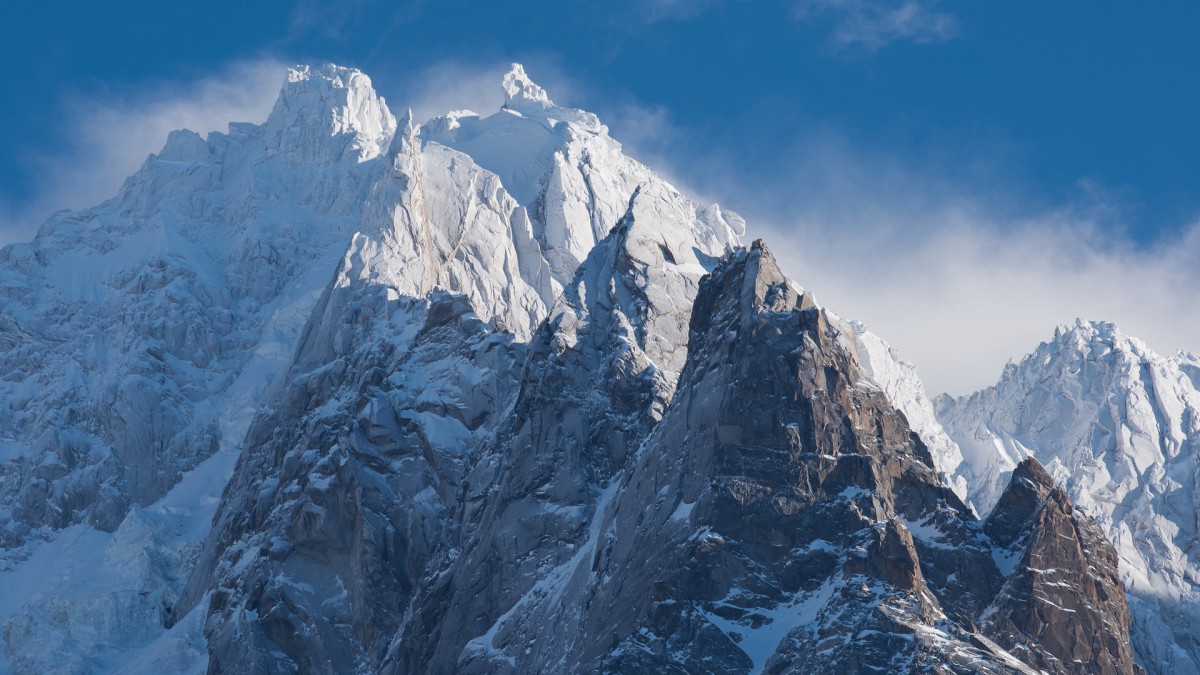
[(109, 137), (956, 281), (932, 256)]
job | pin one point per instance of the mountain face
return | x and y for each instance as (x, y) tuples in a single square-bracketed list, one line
[(345, 392), (138, 338), (1117, 425), (127, 328), (780, 517)]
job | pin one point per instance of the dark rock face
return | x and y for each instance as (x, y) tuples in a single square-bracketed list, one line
[(601, 371), (1027, 490), (768, 508)]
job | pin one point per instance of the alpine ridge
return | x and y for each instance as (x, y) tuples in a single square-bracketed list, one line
[(351, 392)]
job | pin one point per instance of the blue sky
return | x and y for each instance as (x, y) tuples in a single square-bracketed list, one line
[(931, 129)]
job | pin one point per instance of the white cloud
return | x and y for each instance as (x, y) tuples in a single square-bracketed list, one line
[(111, 136), (873, 24), (962, 300), (956, 280)]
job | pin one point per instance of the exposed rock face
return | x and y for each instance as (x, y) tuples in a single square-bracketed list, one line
[(600, 374), (781, 517), (332, 517), (899, 380), (1063, 607)]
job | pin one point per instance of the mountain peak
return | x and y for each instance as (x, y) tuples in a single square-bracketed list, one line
[(528, 99), (330, 101), (1088, 331), (519, 89), (1100, 343), (327, 80)]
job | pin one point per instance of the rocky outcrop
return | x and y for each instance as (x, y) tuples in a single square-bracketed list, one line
[(1062, 609), (333, 514)]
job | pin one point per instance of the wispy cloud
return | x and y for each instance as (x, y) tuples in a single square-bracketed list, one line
[(873, 24), (452, 85), (334, 19), (947, 256), (945, 268), (852, 24), (111, 136), (674, 10)]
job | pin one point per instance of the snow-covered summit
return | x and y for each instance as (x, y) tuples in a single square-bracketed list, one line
[(523, 96), (1088, 373), (139, 337), (559, 163), (330, 101), (519, 89)]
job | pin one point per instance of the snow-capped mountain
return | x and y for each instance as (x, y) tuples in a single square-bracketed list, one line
[(341, 392), (1118, 425)]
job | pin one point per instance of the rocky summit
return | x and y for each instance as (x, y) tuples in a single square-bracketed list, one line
[(351, 392)]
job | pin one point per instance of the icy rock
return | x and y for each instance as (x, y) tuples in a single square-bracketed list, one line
[(409, 358), (1065, 590)]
